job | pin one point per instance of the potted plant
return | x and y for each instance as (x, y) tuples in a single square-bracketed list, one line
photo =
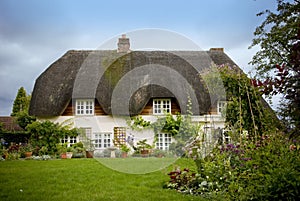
[(69, 152), (88, 144), (3, 152), (143, 147), (159, 153), (78, 150), (89, 147), (27, 150), (125, 149), (62, 150)]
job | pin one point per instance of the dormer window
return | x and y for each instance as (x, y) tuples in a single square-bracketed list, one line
[(221, 106), (161, 106), (85, 107)]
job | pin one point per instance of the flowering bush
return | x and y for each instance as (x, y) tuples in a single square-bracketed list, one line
[(181, 180), (263, 169)]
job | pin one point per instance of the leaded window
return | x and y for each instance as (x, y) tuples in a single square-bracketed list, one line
[(163, 141), (103, 139), (161, 106), (85, 107)]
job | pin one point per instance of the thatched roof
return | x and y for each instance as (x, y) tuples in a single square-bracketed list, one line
[(123, 83)]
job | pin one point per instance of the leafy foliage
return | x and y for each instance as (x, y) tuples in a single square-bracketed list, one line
[(23, 119), (141, 146), (138, 122), (21, 102), (278, 61), (168, 124), (267, 169), (179, 126), (245, 105), (88, 144), (48, 134), (21, 107), (245, 108)]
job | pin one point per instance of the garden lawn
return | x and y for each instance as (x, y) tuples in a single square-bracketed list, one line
[(83, 179), (137, 165)]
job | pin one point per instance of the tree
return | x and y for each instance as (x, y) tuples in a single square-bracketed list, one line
[(21, 102), (20, 108), (278, 60)]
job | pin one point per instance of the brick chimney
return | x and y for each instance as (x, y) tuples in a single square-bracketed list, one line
[(123, 44), (218, 49)]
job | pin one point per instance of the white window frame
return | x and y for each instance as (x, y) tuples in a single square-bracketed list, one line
[(69, 140), (161, 106), (102, 140), (163, 141), (85, 107), (221, 106)]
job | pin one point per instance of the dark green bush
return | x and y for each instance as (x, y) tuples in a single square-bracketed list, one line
[(14, 137), (48, 134)]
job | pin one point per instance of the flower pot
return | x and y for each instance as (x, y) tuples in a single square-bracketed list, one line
[(63, 155), (28, 154), (69, 154), (89, 154), (145, 153)]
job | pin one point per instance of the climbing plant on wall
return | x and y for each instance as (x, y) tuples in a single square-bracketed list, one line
[(246, 110)]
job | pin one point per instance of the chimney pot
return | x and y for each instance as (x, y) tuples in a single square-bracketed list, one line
[(123, 44)]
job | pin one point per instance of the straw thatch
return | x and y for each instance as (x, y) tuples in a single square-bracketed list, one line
[(124, 83)]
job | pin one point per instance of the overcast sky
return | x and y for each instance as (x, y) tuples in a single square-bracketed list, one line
[(34, 33)]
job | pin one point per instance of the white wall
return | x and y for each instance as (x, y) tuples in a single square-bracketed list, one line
[(107, 123)]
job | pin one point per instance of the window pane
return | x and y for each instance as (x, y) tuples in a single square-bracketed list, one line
[(161, 106), (84, 107)]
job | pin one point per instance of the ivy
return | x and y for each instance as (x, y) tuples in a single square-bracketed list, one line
[(168, 124), (180, 127), (138, 123)]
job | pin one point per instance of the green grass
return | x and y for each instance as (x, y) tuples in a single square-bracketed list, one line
[(83, 179), (137, 165)]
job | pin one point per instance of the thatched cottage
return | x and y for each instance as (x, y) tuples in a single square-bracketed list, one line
[(97, 90)]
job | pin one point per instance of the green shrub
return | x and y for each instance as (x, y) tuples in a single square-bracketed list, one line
[(265, 169), (275, 171), (48, 134)]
